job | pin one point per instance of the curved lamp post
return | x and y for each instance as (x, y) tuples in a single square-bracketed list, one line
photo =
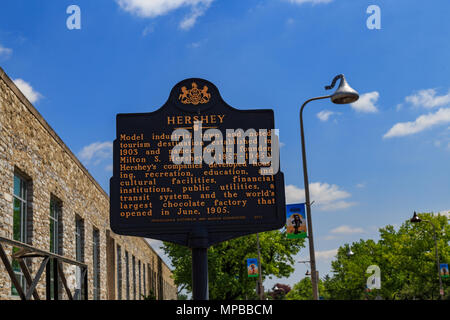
[(350, 253), (417, 219), (307, 270), (343, 95)]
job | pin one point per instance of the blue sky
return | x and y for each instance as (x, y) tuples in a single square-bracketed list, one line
[(370, 164)]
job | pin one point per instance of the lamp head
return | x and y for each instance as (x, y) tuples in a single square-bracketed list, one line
[(415, 218), (307, 273), (344, 94)]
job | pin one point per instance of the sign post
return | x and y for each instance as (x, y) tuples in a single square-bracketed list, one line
[(196, 172)]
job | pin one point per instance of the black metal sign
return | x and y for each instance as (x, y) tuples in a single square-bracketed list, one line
[(196, 167)]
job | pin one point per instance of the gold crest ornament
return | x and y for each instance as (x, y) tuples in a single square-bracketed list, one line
[(194, 96)]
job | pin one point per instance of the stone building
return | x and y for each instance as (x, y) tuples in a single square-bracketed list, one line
[(49, 201)]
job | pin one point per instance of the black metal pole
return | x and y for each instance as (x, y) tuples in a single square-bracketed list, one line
[(47, 279), (199, 243), (312, 257), (55, 280), (200, 274), (85, 280), (260, 283)]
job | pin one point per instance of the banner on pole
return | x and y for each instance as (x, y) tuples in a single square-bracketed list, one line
[(296, 221), (252, 267), (444, 270)]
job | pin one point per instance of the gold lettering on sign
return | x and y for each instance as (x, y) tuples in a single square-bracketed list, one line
[(190, 120), (153, 189), (194, 96)]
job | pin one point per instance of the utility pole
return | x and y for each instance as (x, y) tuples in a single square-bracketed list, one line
[(260, 284)]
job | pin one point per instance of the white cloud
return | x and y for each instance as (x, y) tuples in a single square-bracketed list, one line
[(28, 91), (325, 196), (361, 185), (155, 8), (326, 255), (324, 115), (346, 230), (427, 121), (5, 52), (97, 152), (197, 44), (196, 12), (290, 22), (428, 99), (366, 102), (148, 30), (309, 1)]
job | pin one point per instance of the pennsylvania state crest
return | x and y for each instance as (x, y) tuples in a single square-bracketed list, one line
[(194, 96)]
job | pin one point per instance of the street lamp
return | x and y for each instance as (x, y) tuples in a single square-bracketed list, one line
[(350, 252), (343, 95), (417, 219), (307, 270)]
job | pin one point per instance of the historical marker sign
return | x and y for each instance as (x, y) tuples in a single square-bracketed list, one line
[(196, 166)]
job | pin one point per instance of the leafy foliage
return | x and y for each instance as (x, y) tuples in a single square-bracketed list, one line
[(406, 258), (227, 268), (303, 290), (151, 296), (279, 291)]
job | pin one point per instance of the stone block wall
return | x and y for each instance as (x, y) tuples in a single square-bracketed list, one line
[(30, 148)]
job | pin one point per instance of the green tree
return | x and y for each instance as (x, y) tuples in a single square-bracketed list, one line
[(227, 268), (409, 256), (406, 258), (349, 279), (279, 292), (302, 290)]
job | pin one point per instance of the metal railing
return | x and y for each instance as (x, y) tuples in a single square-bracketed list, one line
[(51, 264)]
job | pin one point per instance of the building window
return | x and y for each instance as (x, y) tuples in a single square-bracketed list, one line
[(79, 239), (140, 284), (96, 263), (55, 226), (155, 293), (149, 276), (127, 275), (20, 223), (134, 277), (20, 209), (55, 237), (145, 283), (119, 273), (79, 254)]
